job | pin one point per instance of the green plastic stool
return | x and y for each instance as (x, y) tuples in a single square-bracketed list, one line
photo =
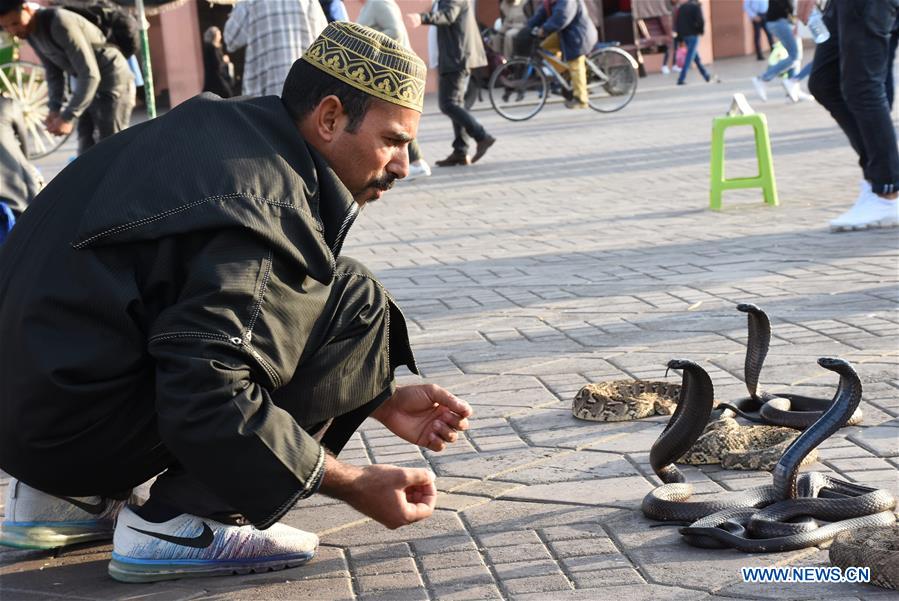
[(765, 177)]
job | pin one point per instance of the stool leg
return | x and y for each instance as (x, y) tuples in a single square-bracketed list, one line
[(716, 178), (766, 164)]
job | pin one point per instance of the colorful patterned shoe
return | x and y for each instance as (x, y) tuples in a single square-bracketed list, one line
[(191, 546), (37, 520)]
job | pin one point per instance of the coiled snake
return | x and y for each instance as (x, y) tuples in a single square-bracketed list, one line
[(754, 520)]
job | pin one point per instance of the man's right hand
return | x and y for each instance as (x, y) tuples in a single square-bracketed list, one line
[(394, 496)]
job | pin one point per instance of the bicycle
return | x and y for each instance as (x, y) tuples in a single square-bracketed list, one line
[(520, 88), (25, 83)]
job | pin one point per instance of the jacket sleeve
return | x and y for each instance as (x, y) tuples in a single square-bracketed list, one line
[(446, 14), (71, 39), (55, 82), (234, 335), (235, 33), (564, 12), (538, 19)]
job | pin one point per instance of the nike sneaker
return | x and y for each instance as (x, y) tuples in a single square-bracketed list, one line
[(37, 520), (188, 545)]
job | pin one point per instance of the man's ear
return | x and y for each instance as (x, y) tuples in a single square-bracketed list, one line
[(326, 117)]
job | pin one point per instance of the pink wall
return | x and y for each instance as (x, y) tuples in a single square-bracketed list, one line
[(176, 45), (731, 28)]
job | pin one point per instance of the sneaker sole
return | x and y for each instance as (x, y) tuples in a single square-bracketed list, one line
[(883, 223), (50, 537), (126, 569)]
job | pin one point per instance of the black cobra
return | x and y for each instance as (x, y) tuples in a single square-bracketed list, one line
[(668, 502), (779, 409), (737, 521)]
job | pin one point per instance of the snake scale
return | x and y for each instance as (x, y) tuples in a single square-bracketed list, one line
[(754, 520)]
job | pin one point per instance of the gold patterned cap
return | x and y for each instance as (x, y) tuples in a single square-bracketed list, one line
[(370, 61)]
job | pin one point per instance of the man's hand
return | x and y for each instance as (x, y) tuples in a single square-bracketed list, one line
[(414, 20), (424, 414), (57, 125), (391, 495)]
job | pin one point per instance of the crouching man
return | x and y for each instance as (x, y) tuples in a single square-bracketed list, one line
[(175, 302)]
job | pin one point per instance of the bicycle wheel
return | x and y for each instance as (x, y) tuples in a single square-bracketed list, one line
[(26, 85), (611, 79), (518, 89)]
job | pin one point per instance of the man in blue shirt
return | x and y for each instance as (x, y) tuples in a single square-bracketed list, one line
[(755, 10)]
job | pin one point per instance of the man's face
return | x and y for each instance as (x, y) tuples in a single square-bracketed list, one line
[(18, 22), (369, 159)]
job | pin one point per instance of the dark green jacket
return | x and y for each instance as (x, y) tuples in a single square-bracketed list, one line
[(157, 292)]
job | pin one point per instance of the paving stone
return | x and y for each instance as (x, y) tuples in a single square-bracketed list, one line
[(517, 553), (882, 440), (367, 584), (632, 592), (608, 576), (333, 589), (525, 569), (537, 584), (582, 547)]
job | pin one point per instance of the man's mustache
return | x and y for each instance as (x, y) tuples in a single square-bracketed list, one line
[(384, 182)]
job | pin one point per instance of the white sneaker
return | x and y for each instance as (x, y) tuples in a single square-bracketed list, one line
[(804, 96), (665, 70), (419, 168), (760, 88), (191, 546), (37, 520), (869, 211), (792, 88), (676, 69)]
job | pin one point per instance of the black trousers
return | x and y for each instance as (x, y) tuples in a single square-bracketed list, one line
[(757, 28), (109, 113), (451, 98), (849, 79)]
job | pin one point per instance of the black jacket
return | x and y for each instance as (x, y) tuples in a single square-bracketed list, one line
[(690, 20), (779, 9), (159, 289), (459, 43)]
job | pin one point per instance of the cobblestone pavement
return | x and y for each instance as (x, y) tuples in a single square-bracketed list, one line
[(581, 249)]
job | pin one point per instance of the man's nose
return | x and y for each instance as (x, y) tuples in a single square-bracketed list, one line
[(399, 164)]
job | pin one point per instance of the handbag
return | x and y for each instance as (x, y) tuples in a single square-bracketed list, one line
[(680, 57)]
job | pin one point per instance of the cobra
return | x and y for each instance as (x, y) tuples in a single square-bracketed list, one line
[(754, 520)]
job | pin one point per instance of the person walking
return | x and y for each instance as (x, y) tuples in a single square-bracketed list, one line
[(780, 22), (209, 328), (756, 10), (514, 17), (216, 74), (275, 33), (68, 45), (690, 26), (460, 49), (385, 16), (849, 79)]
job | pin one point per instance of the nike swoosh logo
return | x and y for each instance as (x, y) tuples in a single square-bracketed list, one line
[(201, 541), (91, 508)]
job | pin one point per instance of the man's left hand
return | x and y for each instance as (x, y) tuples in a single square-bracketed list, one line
[(59, 126), (424, 414)]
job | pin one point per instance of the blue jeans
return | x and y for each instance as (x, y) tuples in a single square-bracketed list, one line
[(692, 41), (849, 80), (782, 29)]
